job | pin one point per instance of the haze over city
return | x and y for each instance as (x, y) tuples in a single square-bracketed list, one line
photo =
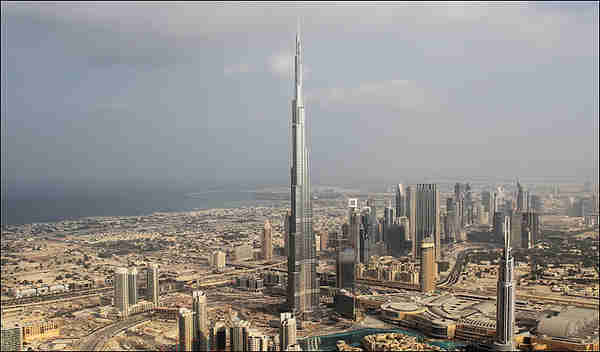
[(109, 95)]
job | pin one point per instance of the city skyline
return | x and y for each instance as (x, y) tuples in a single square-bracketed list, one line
[(167, 186), (429, 76)]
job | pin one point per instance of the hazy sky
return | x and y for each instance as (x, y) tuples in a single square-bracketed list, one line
[(184, 93)]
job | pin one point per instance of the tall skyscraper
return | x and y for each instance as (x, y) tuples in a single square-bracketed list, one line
[(498, 225), (152, 284), (345, 268), (532, 226), (400, 201), (522, 198), (220, 336), (516, 228), (427, 216), (132, 286), (239, 335), (505, 302), (373, 223), (287, 330), (354, 232), (267, 242), (488, 201), (201, 329), (388, 220), (411, 209), (427, 273), (258, 342), (451, 225), (185, 323), (303, 282), (469, 205), (121, 291)]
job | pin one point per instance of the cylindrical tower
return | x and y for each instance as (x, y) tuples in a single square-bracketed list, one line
[(427, 272)]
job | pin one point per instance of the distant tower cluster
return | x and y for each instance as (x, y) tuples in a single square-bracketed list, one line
[(267, 242)]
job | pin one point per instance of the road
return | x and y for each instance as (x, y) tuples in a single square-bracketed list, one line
[(44, 299), (96, 340)]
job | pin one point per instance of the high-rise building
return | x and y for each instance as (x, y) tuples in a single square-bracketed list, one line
[(505, 302), (303, 282), (396, 237), (459, 197), (345, 269), (220, 336), (427, 271), (201, 329), (531, 225), (411, 209), (522, 198), (451, 225), (427, 216), (121, 291), (498, 225), (185, 323), (11, 338), (373, 223), (388, 220), (152, 284), (516, 228), (354, 232), (267, 242), (469, 205), (239, 335), (132, 286), (287, 331), (219, 261), (258, 342), (363, 244), (400, 201)]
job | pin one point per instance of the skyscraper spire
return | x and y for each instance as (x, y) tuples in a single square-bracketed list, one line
[(303, 284)]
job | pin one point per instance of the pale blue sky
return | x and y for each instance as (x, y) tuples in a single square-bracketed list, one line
[(112, 93)]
